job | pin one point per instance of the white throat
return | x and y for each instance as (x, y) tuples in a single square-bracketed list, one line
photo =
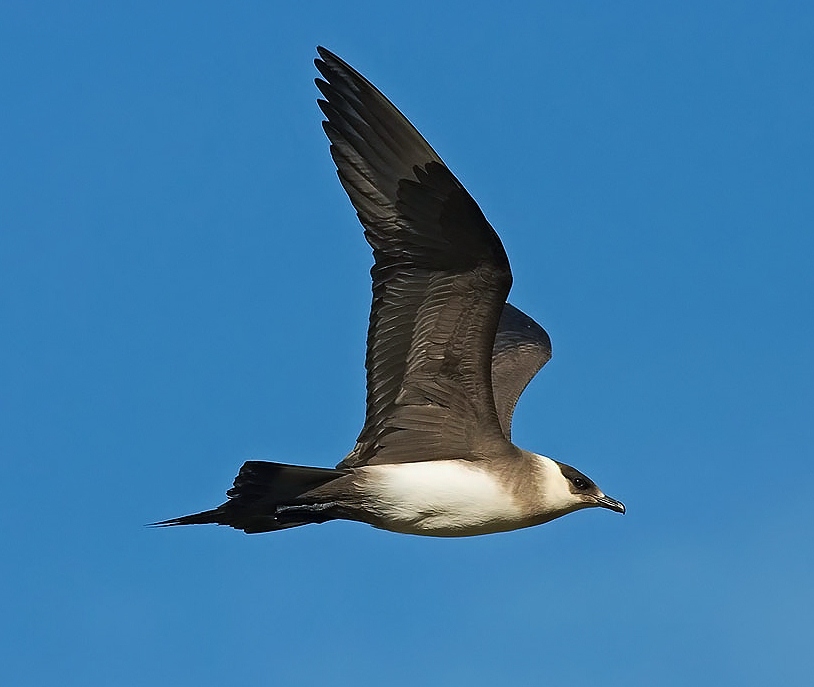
[(556, 496)]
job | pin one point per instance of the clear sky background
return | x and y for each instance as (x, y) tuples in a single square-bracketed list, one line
[(184, 286)]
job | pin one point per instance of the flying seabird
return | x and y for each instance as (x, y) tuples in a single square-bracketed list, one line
[(447, 356)]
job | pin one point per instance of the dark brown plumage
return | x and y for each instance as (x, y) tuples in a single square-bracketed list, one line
[(440, 281)]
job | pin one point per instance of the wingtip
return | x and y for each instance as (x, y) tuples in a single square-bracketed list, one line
[(326, 54), (333, 67), (325, 57)]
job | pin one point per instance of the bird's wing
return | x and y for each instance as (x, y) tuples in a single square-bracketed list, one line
[(440, 281), (521, 349)]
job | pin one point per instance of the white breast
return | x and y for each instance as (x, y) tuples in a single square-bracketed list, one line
[(440, 498)]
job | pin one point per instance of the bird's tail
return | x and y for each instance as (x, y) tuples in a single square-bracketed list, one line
[(268, 497)]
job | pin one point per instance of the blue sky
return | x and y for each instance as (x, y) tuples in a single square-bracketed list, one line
[(184, 286)]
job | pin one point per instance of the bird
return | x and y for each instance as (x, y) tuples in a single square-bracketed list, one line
[(447, 356)]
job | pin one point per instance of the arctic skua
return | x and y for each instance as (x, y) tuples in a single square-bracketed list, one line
[(447, 356)]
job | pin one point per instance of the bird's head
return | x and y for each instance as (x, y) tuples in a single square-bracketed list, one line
[(583, 492), (565, 489)]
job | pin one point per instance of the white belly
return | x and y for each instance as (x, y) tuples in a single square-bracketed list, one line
[(443, 498)]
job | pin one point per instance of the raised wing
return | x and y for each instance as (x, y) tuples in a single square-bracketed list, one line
[(521, 349), (440, 281)]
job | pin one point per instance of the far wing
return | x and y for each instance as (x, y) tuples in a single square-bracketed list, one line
[(521, 349)]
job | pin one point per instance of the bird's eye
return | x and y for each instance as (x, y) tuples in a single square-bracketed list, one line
[(580, 483)]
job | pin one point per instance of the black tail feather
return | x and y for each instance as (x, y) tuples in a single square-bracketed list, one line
[(206, 517), (268, 497)]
